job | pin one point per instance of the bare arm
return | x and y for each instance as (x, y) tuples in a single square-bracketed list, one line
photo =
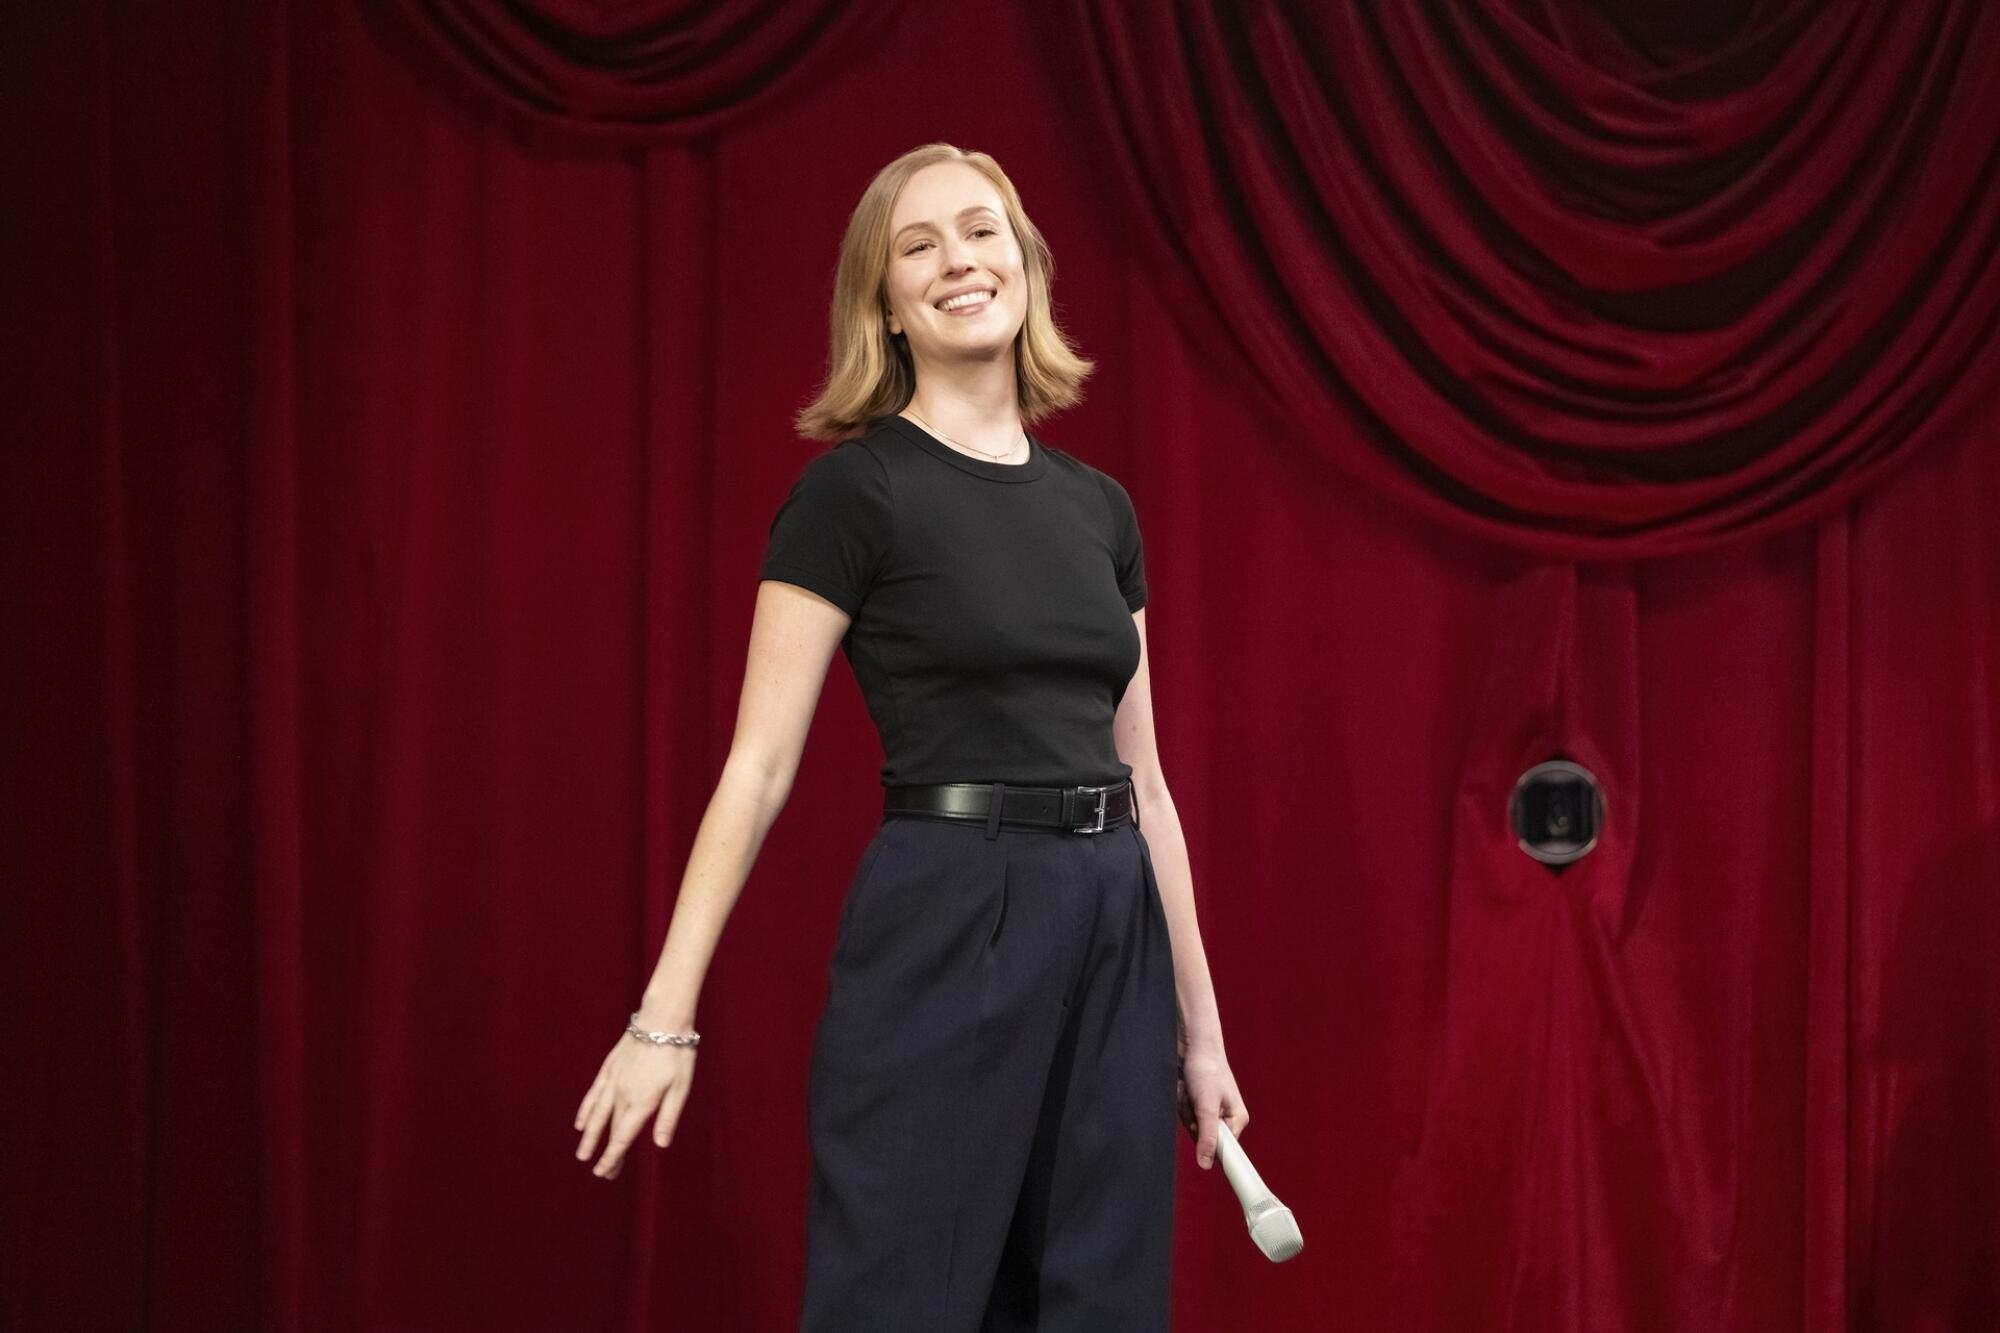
[(1209, 1089), (793, 635)]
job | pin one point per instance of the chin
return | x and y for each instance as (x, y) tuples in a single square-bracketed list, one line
[(981, 346), (982, 350)]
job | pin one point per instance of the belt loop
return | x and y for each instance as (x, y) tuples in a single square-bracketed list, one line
[(1133, 791), (993, 812)]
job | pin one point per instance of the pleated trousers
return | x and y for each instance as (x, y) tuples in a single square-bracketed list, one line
[(991, 1098)]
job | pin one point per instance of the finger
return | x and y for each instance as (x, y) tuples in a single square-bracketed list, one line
[(600, 1114), (670, 1114), (1204, 1150), (597, 1085), (583, 1107), (616, 1139), (630, 1120)]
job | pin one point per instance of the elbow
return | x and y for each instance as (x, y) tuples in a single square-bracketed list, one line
[(760, 778), (1149, 788)]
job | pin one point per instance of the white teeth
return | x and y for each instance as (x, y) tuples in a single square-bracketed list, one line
[(970, 298)]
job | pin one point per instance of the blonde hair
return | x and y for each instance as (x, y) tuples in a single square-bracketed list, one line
[(869, 373)]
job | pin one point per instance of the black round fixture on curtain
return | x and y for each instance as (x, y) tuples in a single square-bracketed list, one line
[(1556, 811)]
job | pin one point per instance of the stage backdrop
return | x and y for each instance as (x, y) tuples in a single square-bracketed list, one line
[(397, 400)]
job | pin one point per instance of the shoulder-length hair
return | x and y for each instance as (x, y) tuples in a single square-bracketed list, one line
[(869, 373)]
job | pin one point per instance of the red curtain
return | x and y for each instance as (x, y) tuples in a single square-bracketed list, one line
[(1599, 281), (382, 500), (639, 72)]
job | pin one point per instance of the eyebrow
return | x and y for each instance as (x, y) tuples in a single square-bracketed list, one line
[(963, 214)]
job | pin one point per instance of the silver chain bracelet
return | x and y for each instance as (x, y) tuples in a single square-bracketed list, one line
[(661, 1038)]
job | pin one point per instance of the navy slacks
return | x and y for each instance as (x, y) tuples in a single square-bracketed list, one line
[(991, 1099)]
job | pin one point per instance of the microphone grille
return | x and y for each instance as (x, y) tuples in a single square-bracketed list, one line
[(1276, 1232)]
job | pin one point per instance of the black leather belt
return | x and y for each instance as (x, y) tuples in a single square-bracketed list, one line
[(995, 804)]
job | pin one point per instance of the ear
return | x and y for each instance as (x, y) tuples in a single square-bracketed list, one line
[(895, 326)]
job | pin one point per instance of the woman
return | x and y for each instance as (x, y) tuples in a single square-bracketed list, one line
[(1017, 1000)]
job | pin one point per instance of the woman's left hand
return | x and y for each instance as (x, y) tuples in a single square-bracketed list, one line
[(1207, 1094)]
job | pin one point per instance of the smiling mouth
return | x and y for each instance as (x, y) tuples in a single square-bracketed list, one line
[(966, 303)]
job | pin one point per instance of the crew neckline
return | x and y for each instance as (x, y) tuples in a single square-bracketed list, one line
[(1036, 464)]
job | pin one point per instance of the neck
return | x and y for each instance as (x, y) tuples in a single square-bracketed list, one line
[(976, 403)]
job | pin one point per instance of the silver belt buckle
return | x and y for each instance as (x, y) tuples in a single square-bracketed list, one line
[(1099, 826)]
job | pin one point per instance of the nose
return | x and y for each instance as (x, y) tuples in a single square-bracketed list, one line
[(957, 254)]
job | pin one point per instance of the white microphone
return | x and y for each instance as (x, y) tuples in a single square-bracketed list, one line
[(1272, 1225)]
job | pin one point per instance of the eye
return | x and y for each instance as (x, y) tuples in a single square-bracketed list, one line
[(918, 246), (986, 231)]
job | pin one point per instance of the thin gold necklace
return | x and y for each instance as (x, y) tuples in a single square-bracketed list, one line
[(998, 458)]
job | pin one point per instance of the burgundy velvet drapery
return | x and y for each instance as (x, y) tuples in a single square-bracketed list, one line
[(1603, 281), (639, 73), (381, 503)]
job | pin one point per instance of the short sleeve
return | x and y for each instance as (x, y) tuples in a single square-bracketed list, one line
[(833, 532), (1128, 551)]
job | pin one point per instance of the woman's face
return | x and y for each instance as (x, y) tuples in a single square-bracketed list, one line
[(958, 288)]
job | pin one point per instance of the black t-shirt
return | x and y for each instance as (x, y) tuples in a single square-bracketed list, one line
[(991, 603)]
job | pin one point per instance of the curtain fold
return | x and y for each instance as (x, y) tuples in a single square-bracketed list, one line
[(640, 71), (1596, 291)]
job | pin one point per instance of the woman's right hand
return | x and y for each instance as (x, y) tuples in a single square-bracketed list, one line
[(636, 1080)]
